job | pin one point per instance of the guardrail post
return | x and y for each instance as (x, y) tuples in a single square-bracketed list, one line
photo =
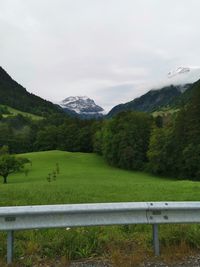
[(156, 245), (10, 243)]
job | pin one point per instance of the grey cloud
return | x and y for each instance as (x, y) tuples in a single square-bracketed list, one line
[(111, 50)]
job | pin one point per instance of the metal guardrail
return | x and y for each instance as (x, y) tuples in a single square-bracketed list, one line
[(75, 215)]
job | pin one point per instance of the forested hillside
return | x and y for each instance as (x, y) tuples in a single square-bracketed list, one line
[(136, 141), (153, 100), (175, 149), (23, 132), (14, 95), (186, 97)]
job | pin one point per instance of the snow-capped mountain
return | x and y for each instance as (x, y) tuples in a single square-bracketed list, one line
[(82, 105)]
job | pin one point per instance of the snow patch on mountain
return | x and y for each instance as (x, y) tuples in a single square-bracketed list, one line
[(81, 105)]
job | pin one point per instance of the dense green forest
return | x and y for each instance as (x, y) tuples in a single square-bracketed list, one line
[(22, 134)]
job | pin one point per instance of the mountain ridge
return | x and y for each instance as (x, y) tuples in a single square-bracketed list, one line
[(82, 106), (152, 100), (16, 96)]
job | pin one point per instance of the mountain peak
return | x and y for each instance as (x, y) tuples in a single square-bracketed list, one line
[(81, 105), (75, 98)]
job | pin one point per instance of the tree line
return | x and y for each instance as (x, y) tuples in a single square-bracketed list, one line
[(175, 149), (168, 147), (22, 134)]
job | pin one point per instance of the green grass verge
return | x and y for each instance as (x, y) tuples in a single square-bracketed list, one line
[(86, 178)]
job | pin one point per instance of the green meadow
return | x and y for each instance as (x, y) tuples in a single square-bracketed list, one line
[(87, 178), (14, 112)]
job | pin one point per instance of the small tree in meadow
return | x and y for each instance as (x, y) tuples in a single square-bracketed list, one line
[(10, 164)]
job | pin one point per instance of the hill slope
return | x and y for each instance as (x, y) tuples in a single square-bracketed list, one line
[(7, 111), (187, 95), (85, 177), (14, 95), (152, 100)]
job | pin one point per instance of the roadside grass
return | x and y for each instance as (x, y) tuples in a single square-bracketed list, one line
[(86, 178)]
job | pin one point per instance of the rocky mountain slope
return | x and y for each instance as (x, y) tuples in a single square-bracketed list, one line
[(82, 106)]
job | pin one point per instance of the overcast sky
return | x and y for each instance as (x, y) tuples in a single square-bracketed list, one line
[(109, 50)]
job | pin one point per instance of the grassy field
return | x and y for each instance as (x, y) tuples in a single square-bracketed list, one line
[(14, 112), (86, 178)]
